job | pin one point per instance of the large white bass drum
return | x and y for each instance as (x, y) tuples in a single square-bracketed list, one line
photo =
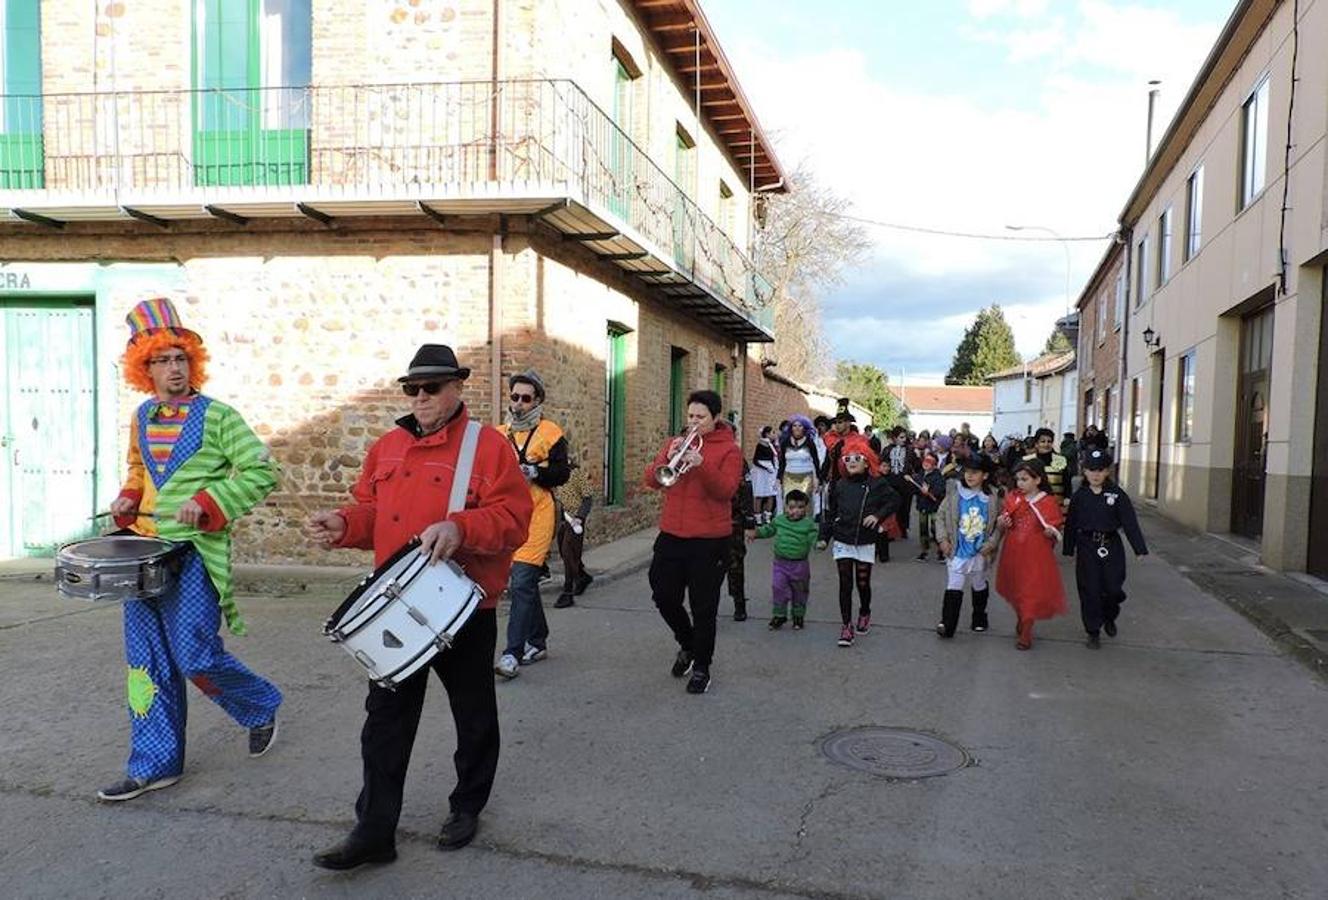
[(404, 614)]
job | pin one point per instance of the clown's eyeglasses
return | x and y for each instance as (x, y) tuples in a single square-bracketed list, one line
[(854, 457)]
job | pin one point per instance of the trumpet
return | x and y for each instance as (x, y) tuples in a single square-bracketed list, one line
[(669, 473)]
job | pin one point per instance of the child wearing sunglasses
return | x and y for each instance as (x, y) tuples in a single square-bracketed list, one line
[(858, 502)]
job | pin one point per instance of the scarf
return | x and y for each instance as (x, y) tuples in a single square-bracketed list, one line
[(528, 422)]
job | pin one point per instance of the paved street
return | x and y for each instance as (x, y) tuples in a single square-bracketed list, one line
[(1183, 760)]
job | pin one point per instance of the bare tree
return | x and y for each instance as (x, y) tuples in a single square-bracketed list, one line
[(804, 249)]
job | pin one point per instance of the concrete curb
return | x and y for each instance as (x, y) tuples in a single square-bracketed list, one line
[(1211, 565)]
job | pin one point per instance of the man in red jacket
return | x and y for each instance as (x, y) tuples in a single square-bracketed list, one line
[(402, 492), (691, 551)]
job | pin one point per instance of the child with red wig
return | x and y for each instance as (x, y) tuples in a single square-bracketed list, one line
[(859, 500)]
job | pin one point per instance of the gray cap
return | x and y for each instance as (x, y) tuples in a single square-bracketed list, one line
[(531, 377)]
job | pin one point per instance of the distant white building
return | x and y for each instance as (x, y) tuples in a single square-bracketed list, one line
[(941, 407), (1041, 393)]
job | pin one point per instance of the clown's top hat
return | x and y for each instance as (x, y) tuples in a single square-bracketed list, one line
[(157, 314)]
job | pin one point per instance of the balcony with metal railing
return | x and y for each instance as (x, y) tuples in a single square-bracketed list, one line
[(540, 147)]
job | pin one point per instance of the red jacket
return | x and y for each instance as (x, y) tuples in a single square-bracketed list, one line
[(404, 488), (698, 505)]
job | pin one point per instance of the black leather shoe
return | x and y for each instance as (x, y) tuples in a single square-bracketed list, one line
[(351, 853), (1093, 642), (1109, 628), (564, 600), (457, 831)]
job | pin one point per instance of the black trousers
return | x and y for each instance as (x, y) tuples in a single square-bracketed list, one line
[(1101, 582), (393, 717), (737, 565), (694, 567), (570, 548)]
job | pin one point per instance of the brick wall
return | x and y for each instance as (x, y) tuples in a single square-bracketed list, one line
[(1104, 368)]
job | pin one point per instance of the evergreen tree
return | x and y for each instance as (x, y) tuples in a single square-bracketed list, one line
[(1057, 342), (868, 386), (987, 347)]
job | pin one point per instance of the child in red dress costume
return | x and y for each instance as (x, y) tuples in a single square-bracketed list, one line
[(1027, 576)]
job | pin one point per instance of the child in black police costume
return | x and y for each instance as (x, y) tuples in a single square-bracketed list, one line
[(1099, 509)]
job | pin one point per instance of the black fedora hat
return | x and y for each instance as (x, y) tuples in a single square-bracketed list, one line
[(434, 362)]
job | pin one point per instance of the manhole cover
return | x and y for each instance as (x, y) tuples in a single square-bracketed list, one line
[(893, 752)]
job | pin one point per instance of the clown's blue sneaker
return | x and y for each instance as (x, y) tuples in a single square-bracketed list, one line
[(130, 788)]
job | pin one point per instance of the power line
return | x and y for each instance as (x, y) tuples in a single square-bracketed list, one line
[(940, 232)]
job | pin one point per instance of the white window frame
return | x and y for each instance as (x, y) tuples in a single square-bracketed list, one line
[(1120, 298), (1101, 318), (1194, 213), (1185, 383), (1141, 272), (1164, 241), (1253, 168)]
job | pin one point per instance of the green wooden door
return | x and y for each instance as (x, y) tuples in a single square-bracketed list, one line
[(251, 119), (22, 156), (47, 425), (615, 418)]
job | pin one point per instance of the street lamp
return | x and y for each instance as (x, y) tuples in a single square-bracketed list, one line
[(1064, 246)]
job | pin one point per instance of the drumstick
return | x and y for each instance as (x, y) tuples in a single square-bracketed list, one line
[(134, 513)]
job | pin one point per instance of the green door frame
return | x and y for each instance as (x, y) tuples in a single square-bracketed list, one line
[(75, 523), (615, 445)]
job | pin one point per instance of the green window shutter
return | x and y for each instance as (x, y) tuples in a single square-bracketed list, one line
[(22, 155)]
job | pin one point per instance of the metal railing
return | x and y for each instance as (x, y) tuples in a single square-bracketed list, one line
[(445, 139)]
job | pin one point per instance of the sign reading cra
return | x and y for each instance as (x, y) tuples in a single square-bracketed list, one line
[(15, 281)]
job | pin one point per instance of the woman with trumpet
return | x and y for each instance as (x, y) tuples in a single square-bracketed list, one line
[(698, 474)]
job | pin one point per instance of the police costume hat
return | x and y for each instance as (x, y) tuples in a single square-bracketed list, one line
[(1096, 460)]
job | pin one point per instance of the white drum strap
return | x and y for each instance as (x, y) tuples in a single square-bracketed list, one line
[(465, 463)]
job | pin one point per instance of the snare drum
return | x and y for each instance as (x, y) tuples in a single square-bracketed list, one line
[(118, 567), (403, 614)]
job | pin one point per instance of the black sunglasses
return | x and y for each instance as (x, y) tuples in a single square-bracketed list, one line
[(429, 387)]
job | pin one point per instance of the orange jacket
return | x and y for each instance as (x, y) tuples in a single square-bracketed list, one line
[(404, 488), (545, 448)]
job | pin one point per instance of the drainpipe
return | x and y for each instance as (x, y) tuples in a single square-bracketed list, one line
[(496, 323), (1126, 236), (493, 92)]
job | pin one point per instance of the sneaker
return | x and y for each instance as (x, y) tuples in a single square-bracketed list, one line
[(130, 788), (776, 623), (583, 582), (682, 664), (564, 600), (941, 632), (864, 623), (262, 738), (533, 654), (545, 574), (797, 623), (846, 636), (1093, 642), (1109, 628), (699, 683), (821, 545), (507, 666), (740, 610), (921, 557)]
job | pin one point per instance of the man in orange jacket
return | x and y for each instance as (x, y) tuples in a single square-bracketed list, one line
[(691, 551), (541, 451), (403, 491)]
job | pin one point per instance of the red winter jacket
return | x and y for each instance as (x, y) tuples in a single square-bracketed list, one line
[(698, 505), (404, 487)]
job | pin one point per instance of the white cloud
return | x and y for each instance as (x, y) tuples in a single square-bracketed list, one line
[(1066, 158)]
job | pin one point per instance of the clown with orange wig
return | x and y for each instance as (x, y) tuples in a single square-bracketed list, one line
[(194, 468)]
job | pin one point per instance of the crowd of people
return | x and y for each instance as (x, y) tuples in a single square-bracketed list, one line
[(983, 508), (810, 486)]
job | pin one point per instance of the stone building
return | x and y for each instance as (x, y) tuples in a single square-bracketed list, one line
[(323, 186), (1225, 339)]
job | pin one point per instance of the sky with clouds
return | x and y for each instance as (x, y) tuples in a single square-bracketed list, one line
[(964, 115)]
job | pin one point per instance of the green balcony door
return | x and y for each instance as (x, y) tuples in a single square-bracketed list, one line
[(48, 428), (252, 65), (22, 157)]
